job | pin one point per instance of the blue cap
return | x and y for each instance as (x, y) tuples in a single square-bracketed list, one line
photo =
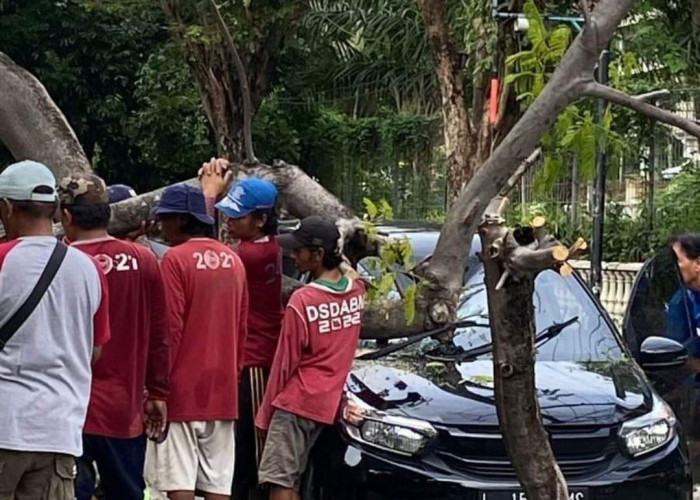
[(120, 192), (183, 199), (247, 196)]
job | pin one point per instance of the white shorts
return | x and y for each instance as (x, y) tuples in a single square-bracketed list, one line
[(195, 456)]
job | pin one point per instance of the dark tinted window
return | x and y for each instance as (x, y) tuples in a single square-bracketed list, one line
[(658, 291), (556, 300)]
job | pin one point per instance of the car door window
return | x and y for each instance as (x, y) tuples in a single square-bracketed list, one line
[(657, 306)]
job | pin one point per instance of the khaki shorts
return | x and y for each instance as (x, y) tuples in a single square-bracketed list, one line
[(195, 456), (30, 475), (287, 448)]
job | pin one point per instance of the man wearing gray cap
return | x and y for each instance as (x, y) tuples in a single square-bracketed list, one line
[(53, 318)]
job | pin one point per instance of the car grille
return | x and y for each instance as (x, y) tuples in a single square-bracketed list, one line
[(478, 451)]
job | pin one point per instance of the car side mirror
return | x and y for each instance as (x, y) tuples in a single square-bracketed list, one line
[(660, 353)]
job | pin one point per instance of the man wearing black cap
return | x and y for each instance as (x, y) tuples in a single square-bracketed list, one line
[(320, 330)]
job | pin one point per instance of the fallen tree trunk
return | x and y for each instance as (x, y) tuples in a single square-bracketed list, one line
[(31, 125), (300, 196)]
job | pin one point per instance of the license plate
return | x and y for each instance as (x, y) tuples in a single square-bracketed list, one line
[(574, 494)]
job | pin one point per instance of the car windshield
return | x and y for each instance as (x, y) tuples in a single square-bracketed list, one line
[(556, 300)]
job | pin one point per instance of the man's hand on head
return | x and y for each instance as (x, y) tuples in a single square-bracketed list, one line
[(215, 176)]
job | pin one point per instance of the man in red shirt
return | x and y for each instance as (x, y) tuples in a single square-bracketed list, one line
[(320, 330), (208, 305), (136, 357), (252, 219)]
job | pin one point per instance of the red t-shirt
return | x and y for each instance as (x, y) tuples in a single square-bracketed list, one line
[(319, 337), (263, 266), (208, 302), (137, 355)]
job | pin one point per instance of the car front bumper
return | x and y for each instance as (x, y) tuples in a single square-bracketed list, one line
[(345, 471)]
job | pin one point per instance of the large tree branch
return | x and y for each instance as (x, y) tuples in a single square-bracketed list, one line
[(521, 170), (300, 196), (566, 84), (32, 126), (594, 89), (242, 81)]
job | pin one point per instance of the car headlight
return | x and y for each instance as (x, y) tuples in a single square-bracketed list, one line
[(650, 431), (406, 436)]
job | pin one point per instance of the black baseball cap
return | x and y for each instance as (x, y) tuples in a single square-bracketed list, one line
[(314, 231)]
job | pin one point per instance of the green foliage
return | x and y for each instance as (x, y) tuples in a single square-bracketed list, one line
[(678, 206), (626, 238), (397, 252), (528, 70), (409, 301), (383, 212), (169, 124), (575, 135), (395, 258), (88, 55)]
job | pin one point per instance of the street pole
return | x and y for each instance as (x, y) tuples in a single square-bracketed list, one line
[(599, 192), (574, 192), (652, 172)]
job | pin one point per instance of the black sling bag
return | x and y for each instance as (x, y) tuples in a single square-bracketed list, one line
[(20, 316)]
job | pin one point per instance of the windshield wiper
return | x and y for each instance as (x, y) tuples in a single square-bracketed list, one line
[(544, 336), (417, 338), (553, 330)]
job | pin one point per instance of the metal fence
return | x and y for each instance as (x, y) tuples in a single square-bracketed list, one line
[(654, 154)]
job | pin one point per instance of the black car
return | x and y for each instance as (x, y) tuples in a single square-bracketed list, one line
[(659, 307), (431, 429)]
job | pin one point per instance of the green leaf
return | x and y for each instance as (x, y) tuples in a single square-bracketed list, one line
[(385, 284), (587, 147), (537, 32), (386, 212), (410, 303), (519, 56), (559, 42), (371, 208)]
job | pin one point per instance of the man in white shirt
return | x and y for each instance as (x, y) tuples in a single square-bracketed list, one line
[(45, 366)]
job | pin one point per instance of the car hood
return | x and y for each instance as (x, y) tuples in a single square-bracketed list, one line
[(577, 393)]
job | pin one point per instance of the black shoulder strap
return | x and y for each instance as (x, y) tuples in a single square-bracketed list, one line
[(20, 316)]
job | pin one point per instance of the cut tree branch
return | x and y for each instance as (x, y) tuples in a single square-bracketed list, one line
[(242, 81), (653, 95), (594, 89)]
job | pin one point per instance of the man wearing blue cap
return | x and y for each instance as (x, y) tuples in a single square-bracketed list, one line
[(252, 219), (208, 306), (45, 354), (120, 192)]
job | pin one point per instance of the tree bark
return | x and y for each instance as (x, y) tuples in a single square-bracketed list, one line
[(242, 83), (457, 126), (512, 320), (210, 65), (31, 125), (300, 196)]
